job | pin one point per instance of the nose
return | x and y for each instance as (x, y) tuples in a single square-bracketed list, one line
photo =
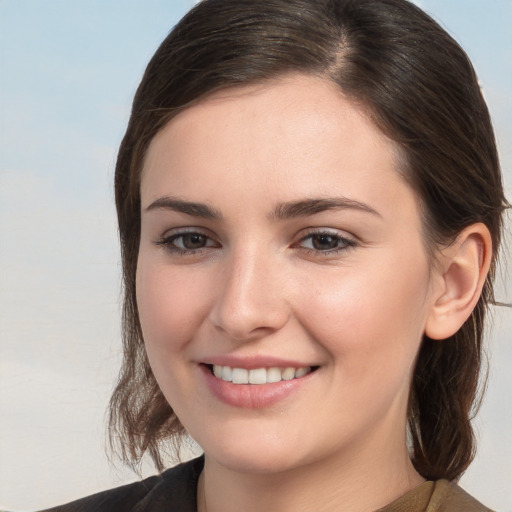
[(251, 300)]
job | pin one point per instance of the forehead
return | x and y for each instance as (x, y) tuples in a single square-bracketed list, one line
[(295, 136)]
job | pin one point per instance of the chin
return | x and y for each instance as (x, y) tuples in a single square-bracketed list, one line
[(258, 454), (253, 461)]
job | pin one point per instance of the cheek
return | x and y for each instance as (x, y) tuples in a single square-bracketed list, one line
[(371, 318), (171, 304)]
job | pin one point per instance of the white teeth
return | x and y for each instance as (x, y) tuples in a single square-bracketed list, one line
[(240, 376), (258, 375), (300, 372), (273, 375), (289, 374), (227, 373)]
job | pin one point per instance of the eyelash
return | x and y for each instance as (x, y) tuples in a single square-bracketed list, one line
[(343, 243), (168, 241)]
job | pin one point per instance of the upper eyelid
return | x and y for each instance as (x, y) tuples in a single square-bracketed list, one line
[(326, 231), (174, 232)]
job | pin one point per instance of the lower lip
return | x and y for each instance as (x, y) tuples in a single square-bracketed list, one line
[(251, 396)]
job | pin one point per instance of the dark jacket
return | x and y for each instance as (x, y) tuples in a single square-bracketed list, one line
[(175, 490)]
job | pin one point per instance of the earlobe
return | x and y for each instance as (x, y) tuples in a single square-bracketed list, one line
[(464, 266)]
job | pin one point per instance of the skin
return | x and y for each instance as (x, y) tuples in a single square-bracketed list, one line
[(262, 285)]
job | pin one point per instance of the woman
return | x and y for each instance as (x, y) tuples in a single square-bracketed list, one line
[(309, 204)]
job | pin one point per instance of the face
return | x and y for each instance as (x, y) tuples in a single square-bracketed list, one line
[(282, 280)]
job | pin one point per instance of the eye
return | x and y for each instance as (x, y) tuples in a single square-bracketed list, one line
[(326, 242), (190, 241), (186, 243)]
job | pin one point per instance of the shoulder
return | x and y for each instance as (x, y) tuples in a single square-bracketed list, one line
[(449, 497), (436, 496), (172, 491)]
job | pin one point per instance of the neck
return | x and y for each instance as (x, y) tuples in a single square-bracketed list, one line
[(360, 482)]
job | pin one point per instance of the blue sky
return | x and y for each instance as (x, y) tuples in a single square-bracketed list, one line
[(68, 71)]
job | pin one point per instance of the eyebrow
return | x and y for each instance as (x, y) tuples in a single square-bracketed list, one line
[(282, 211), (308, 207), (187, 207)]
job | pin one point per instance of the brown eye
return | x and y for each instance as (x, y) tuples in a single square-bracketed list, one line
[(191, 241), (187, 243), (325, 242)]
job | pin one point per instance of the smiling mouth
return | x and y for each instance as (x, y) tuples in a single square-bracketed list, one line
[(259, 376)]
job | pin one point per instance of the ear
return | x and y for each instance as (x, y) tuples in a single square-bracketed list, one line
[(460, 276)]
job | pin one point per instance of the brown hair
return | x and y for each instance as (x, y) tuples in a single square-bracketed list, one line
[(420, 89)]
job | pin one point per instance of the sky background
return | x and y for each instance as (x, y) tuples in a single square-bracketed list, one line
[(68, 72)]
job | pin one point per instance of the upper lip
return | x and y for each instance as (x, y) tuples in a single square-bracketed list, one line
[(253, 362)]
